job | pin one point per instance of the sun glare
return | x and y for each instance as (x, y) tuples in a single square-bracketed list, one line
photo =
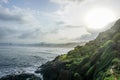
[(98, 18)]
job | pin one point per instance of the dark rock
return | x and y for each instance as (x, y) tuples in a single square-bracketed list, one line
[(53, 70), (65, 75), (20, 77)]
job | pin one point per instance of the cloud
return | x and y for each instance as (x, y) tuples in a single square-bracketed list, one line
[(87, 37), (6, 15), (71, 26), (16, 14), (31, 34), (4, 1), (65, 35), (9, 34), (65, 1), (6, 32), (66, 24), (25, 25), (17, 24), (72, 14)]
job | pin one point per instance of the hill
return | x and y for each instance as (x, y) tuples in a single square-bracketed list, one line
[(96, 60)]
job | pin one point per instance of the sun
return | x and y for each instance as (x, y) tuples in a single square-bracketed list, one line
[(98, 18)]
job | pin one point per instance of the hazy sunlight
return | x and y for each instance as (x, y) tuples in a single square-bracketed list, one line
[(98, 18)]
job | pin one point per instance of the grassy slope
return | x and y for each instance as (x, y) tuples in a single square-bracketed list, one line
[(94, 60)]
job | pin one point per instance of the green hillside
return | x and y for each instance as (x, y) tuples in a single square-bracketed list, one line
[(93, 61)]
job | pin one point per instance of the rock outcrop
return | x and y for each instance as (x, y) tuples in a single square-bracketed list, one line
[(21, 77)]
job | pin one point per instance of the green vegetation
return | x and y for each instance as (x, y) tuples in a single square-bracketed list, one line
[(94, 60)]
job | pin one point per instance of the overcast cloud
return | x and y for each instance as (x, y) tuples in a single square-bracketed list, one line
[(20, 23)]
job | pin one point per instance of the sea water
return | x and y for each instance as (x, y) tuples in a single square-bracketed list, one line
[(19, 59)]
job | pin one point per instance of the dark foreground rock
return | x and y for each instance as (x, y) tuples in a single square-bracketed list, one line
[(21, 77), (55, 71)]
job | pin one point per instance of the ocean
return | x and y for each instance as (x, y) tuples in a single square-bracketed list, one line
[(20, 59)]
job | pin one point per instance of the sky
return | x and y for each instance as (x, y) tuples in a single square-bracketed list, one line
[(52, 21)]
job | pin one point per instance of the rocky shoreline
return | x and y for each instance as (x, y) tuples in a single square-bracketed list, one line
[(24, 76)]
